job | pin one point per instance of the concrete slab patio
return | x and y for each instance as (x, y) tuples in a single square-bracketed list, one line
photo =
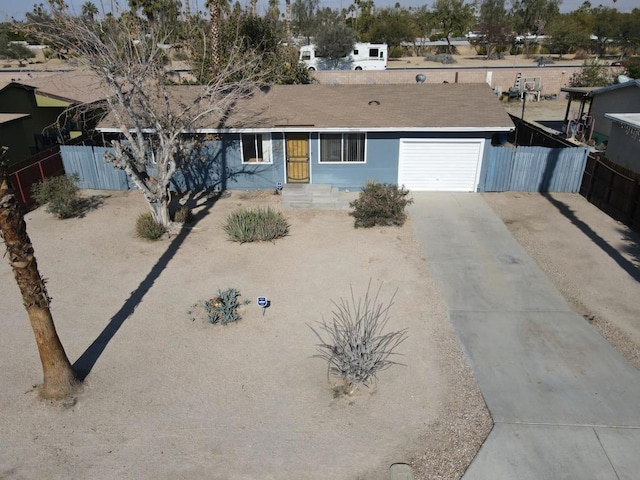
[(563, 400)]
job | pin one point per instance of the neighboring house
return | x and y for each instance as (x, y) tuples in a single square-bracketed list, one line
[(423, 136), (13, 134), (624, 140), (619, 98), (595, 103), (38, 113)]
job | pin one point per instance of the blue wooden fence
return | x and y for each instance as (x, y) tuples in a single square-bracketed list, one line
[(534, 169), (92, 168)]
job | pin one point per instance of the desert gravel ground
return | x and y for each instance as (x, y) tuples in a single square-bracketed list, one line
[(170, 397), (593, 260)]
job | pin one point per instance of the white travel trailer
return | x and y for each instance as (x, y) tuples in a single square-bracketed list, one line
[(365, 56)]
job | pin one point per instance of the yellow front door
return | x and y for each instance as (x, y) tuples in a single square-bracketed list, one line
[(297, 157)]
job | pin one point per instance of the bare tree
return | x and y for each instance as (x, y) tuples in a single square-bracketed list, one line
[(59, 380), (153, 118)]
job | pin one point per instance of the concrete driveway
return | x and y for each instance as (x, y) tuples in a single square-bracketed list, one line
[(564, 402)]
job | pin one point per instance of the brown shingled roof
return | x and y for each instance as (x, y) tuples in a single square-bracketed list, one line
[(380, 107), (77, 86), (388, 106)]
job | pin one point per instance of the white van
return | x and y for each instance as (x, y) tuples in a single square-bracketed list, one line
[(365, 56)]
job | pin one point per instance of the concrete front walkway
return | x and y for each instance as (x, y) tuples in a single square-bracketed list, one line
[(565, 404)]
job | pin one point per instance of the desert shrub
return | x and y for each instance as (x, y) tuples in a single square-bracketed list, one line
[(443, 58), (592, 74), (396, 52), (355, 347), (632, 67), (223, 308), (183, 215), (256, 224), (380, 204), (147, 227), (581, 54), (60, 194)]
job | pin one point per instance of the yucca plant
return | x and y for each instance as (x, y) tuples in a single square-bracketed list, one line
[(256, 224), (354, 345)]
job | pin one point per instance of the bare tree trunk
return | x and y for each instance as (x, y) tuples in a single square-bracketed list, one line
[(59, 379), (214, 35), (160, 210)]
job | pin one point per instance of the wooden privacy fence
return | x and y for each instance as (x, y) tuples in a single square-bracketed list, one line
[(613, 189), (34, 169), (534, 169)]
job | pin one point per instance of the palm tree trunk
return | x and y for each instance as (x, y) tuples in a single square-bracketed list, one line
[(287, 21), (214, 35), (59, 378)]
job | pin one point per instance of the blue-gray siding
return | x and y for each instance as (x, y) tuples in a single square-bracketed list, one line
[(215, 165), (218, 165), (533, 169), (381, 164)]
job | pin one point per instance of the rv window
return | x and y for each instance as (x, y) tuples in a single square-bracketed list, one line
[(373, 52), (355, 52), (306, 56)]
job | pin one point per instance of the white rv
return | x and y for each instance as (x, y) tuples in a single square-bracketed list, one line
[(365, 56)]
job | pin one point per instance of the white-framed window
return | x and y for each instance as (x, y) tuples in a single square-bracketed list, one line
[(256, 148), (342, 147)]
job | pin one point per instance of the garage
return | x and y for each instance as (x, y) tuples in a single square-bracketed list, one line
[(440, 164)]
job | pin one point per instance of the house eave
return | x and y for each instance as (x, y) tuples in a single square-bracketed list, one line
[(310, 128)]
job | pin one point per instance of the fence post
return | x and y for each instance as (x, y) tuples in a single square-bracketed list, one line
[(593, 174), (20, 189), (41, 171), (635, 198)]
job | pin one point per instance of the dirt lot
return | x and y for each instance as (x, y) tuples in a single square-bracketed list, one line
[(168, 397), (593, 260)]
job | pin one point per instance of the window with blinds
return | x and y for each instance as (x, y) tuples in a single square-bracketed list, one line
[(342, 147)]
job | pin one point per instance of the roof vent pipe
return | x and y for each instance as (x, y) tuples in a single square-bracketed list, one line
[(420, 78)]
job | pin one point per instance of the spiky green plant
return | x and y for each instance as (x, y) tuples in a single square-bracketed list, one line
[(183, 215), (355, 347), (147, 227), (256, 224)]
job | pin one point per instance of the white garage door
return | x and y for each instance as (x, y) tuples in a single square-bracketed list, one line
[(440, 165)]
